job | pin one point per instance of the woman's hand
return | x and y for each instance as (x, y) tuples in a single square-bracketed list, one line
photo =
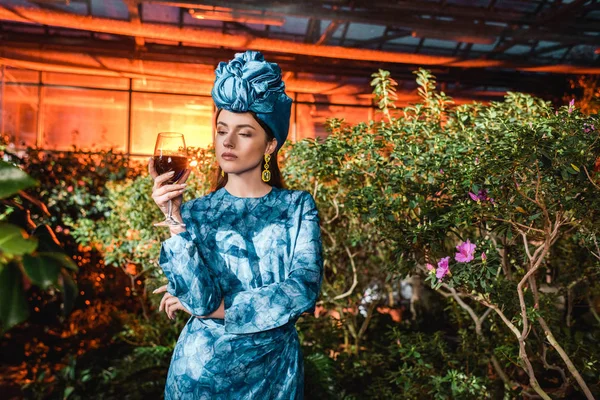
[(161, 194), (169, 303)]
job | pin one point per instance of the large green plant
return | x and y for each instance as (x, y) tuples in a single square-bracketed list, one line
[(28, 253), (496, 205)]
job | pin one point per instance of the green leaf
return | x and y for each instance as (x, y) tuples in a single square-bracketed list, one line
[(534, 216), (575, 167), (13, 240), (13, 179), (62, 259), (43, 271), (68, 391), (13, 307)]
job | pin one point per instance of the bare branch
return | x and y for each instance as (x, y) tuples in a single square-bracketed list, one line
[(354, 277), (554, 367), (516, 224), (337, 211), (566, 359), (522, 349), (524, 235), (590, 178), (333, 241)]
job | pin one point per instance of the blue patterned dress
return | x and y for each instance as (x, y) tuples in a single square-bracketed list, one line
[(263, 256)]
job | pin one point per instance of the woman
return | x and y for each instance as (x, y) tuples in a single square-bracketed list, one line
[(249, 261)]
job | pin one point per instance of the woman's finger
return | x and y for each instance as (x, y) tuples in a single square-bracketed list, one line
[(162, 200), (160, 289), (161, 307), (168, 188), (172, 306), (185, 176), (160, 179), (170, 303), (151, 169)]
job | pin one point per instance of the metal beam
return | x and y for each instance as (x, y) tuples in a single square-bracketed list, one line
[(134, 17), (392, 13), (212, 38), (59, 51), (333, 26)]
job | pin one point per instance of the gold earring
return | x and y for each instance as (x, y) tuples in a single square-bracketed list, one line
[(222, 173), (266, 174)]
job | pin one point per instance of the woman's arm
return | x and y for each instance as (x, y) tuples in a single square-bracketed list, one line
[(219, 313), (190, 278), (191, 282)]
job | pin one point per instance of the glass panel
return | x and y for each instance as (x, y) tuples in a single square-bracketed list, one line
[(349, 99), (102, 82), (110, 9), (160, 13), (154, 113), (87, 119), (310, 121), (145, 85), (21, 75), (19, 114)]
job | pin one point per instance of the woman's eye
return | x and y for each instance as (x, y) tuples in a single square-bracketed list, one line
[(221, 132), (245, 134)]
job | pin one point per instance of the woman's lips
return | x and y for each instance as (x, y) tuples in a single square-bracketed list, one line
[(228, 157)]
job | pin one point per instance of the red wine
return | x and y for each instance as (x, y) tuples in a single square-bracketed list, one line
[(166, 163)]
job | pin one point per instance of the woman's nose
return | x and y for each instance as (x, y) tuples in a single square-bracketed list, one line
[(228, 141)]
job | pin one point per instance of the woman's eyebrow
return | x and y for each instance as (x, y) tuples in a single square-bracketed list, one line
[(236, 126), (245, 126)]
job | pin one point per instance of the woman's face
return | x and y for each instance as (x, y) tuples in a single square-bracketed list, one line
[(241, 135)]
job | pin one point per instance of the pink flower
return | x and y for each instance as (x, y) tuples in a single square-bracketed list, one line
[(443, 268), (482, 195), (483, 257), (70, 189), (587, 128), (465, 252), (430, 267), (571, 106)]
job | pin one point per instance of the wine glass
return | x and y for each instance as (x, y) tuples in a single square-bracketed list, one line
[(170, 155)]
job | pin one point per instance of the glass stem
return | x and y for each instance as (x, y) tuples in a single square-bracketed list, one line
[(169, 218)]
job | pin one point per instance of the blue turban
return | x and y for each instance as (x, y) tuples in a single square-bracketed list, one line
[(249, 83)]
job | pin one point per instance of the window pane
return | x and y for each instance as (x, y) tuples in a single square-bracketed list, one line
[(311, 118), (89, 119), (146, 85), (350, 99), (102, 82), (154, 113), (20, 75), (19, 114)]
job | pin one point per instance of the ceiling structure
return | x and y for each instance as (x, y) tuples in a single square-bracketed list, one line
[(476, 48)]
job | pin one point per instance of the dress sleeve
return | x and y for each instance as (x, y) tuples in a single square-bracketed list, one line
[(275, 305), (190, 279)]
